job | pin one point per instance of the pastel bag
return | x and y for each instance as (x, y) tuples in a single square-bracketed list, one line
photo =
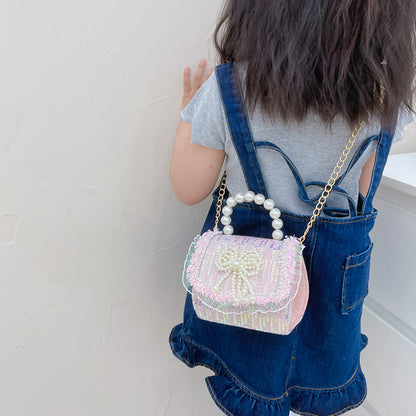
[(252, 282)]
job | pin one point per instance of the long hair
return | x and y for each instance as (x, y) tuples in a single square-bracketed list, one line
[(330, 56)]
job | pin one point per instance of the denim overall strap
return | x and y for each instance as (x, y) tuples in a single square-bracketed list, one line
[(303, 196), (362, 148), (302, 186), (382, 153), (239, 129), (353, 209)]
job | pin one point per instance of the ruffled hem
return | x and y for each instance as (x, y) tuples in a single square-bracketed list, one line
[(229, 395), (330, 402), (235, 399)]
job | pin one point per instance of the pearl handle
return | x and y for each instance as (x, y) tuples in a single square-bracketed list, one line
[(258, 199)]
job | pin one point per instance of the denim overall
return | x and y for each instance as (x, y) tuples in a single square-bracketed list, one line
[(315, 370)]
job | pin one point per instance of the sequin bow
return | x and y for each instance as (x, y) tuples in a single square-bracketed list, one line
[(240, 267)]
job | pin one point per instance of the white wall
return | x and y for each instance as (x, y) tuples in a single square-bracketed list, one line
[(408, 144), (92, 239), (91, 235)]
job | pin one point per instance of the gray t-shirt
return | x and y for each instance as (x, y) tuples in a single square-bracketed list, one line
[(312, 147)]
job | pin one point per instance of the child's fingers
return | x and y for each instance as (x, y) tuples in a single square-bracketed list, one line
[(190, 90), (198, 74), (186, 80)]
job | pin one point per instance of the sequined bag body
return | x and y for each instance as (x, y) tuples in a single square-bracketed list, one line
[(256, 283), (252, 282)]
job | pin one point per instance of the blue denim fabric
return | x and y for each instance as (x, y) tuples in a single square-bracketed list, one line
[(315, 370)]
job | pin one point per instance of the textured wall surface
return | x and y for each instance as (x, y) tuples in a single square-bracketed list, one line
[(92, 239), (90, 230)]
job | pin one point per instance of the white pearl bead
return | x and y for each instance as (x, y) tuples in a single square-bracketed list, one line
[(231, 202), (225, 220), (275, 213), (249, 196), (227, 211), (269, 204), (277, 224), (239, 198), (228, 230), (259, 199), (277, 234)]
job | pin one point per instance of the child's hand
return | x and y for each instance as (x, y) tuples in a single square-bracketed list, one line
[(188, 90)]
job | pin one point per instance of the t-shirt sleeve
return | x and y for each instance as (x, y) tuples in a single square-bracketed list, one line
[(205, 112), (405, 118)]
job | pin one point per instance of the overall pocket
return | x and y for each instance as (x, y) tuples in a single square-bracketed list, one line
[(355, 280)]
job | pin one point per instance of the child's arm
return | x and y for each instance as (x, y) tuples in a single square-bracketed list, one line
[(366, 174), (194, 169)]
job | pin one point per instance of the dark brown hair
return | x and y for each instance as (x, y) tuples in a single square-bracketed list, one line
[(331, 56)]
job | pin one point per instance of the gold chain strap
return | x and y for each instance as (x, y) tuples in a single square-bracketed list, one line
[(337, 169), (221, 193), (325, 193), (331, 182)]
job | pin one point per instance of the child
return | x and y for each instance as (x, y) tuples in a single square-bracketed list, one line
[(295, 79)]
